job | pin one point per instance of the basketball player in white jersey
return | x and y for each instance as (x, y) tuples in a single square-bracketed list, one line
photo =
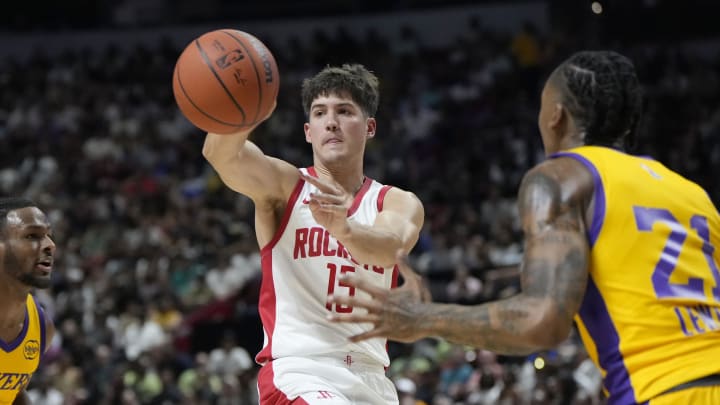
[(314, 224)]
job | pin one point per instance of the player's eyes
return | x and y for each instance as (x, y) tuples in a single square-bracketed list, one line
[(33, 236)]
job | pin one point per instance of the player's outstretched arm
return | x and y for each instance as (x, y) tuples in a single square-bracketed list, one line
[(396, 227), (554, 274), (244, 168)]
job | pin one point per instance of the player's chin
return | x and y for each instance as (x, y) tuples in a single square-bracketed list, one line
[(38, 281), (43, 282), (334, 157)]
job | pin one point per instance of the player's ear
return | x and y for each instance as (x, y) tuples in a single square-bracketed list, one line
[(558, 115), (306, 128), (371, 127)]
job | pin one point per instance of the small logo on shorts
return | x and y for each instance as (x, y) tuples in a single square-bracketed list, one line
[(325, 395), (348, 360)]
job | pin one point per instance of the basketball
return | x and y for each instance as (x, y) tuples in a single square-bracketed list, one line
[(225, 80)]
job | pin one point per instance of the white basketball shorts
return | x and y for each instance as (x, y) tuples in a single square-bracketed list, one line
[(347, 379)]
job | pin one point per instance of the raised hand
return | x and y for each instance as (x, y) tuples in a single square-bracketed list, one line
[(329, 205), (396, 314)]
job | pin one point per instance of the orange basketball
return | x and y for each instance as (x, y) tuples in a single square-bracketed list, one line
[(225, 80)]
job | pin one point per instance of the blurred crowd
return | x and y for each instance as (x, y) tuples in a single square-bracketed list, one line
[(154, 295)]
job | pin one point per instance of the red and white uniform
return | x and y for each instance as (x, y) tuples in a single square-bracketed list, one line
[(301, 266)]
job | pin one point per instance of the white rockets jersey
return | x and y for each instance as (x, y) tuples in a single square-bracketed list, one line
[(300, 269)]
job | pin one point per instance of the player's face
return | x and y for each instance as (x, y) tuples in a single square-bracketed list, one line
[(337, 128), (549, 118), (26, 247)]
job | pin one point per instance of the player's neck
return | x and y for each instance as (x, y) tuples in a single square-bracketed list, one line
[(350, 178), (572, 141), (12, 302), (11, 322)]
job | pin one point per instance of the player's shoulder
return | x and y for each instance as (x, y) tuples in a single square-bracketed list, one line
[(400, 195), (49, 332), (563, 179), (398, 200), (563, 171), (46, 324)]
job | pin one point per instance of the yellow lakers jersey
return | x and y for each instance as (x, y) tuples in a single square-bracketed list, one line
[(650, 318), (20, 358)]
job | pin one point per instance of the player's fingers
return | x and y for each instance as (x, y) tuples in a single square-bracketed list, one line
[(326, 198), (331, 208), (322, 185), (353, 318), (361, 283), (314, 205), (356, 302), (377, 332)]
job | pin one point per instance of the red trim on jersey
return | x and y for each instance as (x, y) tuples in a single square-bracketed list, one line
[(269, 393), (359, 196), (267, 307), (393, 284), (381, 197), (268, 299), (286, 216)]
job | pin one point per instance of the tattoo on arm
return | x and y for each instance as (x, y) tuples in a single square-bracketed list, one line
[(557, 253), (553, 280)]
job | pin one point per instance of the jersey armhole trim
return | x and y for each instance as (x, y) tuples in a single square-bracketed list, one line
[(286, 216), (599, 195), (359, 196), (381, 197), (43, 333), (13, 344)]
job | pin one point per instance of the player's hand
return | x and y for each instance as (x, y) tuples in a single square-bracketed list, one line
[(270, 112), (396, 314), (329, 205), (245, 131)]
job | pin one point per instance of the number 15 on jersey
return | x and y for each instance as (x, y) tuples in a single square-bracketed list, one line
[(342, 309)]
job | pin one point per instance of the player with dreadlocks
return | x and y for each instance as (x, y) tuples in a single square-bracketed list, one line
[(619, 243)]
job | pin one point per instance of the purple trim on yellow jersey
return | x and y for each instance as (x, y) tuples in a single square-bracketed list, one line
[(8, 347), (599, 212), (41, 319), (597, 321)]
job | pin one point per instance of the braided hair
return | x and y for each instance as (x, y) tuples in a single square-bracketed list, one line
[(601, 91)]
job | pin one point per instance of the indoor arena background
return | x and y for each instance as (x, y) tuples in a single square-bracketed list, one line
[(156, 283)]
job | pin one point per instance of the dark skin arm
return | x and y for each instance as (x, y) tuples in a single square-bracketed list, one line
[(553, 201), (22, 398)]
